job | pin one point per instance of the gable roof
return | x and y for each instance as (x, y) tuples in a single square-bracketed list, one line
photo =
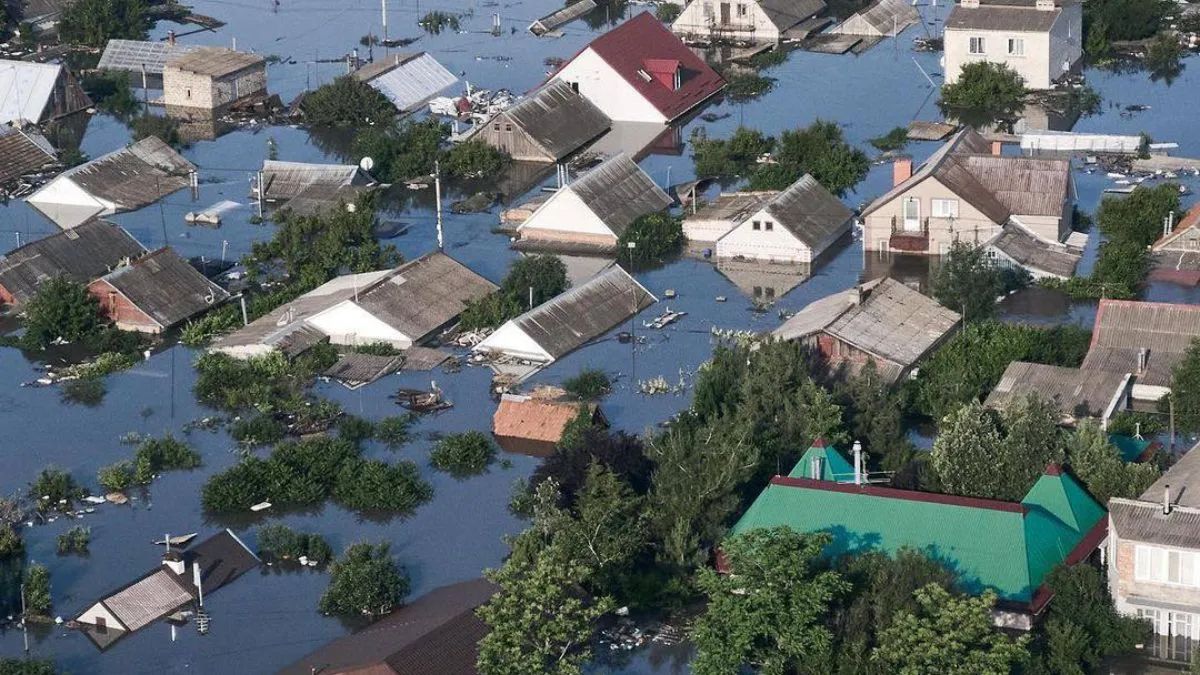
[(23, 152), (1189, 223), (618, 192), (26, 89), (153, 596), (809, 211), (558, 118), (286, 180), (1005, 546), (884, 17), (643, 38), (166, 287), (834, 466), (1123, 327), (133, 55), (784, 14), (1076, 393), (437, 633), (1036, 253), (80, 254), (535, 418), (407, 80), (1017, 17), (732, 206)]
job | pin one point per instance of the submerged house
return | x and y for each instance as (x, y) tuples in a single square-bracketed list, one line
[(213, 79), (1076, 393), (1041, 40), (402, 307), (1016, 246), (593, 212), (640, 72), (80, 254), (534, 424), (1177, 252), (795, 226), (305, 187), (883, 18), (436, 633), (141, 56), (569, 320), (38, 92), (1005, 547), (708, 223), (407, 80), (967, 191), (881, 321), (1144, 339), (173, 586), (546, 126), (155, 292), (743, 21), (22, 152), (123, 180)]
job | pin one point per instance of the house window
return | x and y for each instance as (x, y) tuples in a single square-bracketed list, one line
[(1165, 566), (708, 10), (575, 87), (945, 208), (768, 225), (758, 291), (508, 128), (977, 46), (187, 93), (769, 291), (756, 225), (1016, 47), (644, 75), (741, 10), (495, 127), (1150, 615)]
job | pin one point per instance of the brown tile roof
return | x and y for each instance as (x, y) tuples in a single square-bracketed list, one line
[(1124, 327), (166, 287), (535, 419), (80, 254), (214, 61)]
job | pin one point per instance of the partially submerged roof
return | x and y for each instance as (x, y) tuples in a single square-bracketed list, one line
[(632, 49), (26, 89), (80, 254), (159, 593), (787, 13), (990, 544), (1037, 254), (285, 180), (619, 192), (23, 152), (884, 17), (436, 633), (1021, 17), (1075, 392), (407, 80), (558, 118), (214, 62), (166, 287), (134, 55), (1124, 327), (809, 211), (733, 207), (535, 418)]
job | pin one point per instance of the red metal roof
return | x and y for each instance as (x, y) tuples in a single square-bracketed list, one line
[(644, 43)]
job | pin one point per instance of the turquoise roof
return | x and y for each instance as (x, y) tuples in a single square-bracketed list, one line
[(1130, 447), (1004, 546), (834, 467)]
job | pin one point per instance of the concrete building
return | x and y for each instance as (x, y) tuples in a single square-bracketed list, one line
[(1153, 553), (742, 21), (1041, 40), (213, 79), (155, 293), (795, 226), (967, 191), (640, 72), (546, 126), (38, 92)]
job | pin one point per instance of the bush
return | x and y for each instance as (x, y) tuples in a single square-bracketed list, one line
[(893, 140), (37, 591), (27, 667), (75, 541), (61, 309), (728, 158), (280, 542), (267, 383), (257, 430), (818, 149), (88, 391), (347, 101), (364, 581), (393, 431), (743, 87), (166, 129), (589, 385), (546, 275), (55, 489), (117, 477), (667, 12), (1138, 217), (474, 159), (162, 454), (10, 542), (654, 235), (377, 486), (969, 281), (94, 22), (1185, 389), (463, 454), (355, 429), (111, 91), (984, 85)]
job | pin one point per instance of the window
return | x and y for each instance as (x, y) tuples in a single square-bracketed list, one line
[(1016, 47), (768, 226), (187, 93), (756, 225), (945, 208), (708, 10), (977, 46), (508, 128), (495, 127), (575, 87), (1150, 615), (741, 10), (758, 291), (769, 291), (644, 75), (1166, 566)]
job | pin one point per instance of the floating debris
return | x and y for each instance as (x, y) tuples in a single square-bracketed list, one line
[(665, 319), (261, 506), (419, 401)]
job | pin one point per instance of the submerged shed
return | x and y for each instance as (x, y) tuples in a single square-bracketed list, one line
[(155, 292), (1019, 247), (885, 18), (80, 254), (407, 80), (123, 180), (22, 152), (548, 125), (795, 226), (38, 92), (534, 424)]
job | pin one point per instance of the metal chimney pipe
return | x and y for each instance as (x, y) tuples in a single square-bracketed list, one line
[(858, 468), (1166, 500)]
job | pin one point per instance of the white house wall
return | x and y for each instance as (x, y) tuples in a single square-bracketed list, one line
[(566, 212), (706, 230), (1035, 66), (510, 339), (775, 245), (95, 613), (608, 90), (700, 20), (348, 324)]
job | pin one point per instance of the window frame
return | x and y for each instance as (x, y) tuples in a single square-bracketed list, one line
[(981, 41), (1016, 41)]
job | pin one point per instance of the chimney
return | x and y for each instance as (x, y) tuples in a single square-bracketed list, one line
[(171, 38), (858, 467), (815, 468), (1045, 5), (901, 170), (1143, 355), (1166, 500), (174, 562), (997, 148)]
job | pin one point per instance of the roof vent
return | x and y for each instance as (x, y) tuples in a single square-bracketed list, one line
[(644, 75), (816, 468), (1166, 500), (1142, 358)]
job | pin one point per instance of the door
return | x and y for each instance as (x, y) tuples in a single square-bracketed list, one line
[(912, 214), (724, 13)]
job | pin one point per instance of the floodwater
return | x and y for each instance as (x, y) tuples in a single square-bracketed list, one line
[(268, 618)]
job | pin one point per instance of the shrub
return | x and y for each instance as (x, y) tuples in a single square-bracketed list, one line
[(162, 454), (1138, 216), (984, 85), (654, 235), (589, 385), (257, 430), (111, 91), (377, 486), (463, 454), (355, 429), (667, 12), (281, 542), (535, 278), (968, 280), (473, 159), (893, 140), (61, 309), (364, 581), (347, 101), (37, 591), (87, 391), (94, 22), (75, 541), (165, 129), (728, 158), (1185, 389), (743, 87), (55, 489), (393, 431), (116, 477), (27, 667)]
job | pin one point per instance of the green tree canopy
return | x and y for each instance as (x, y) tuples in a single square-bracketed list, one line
[(94, 22), (655, 236), (61, 309), (819, 149), (347, 101), (729, 158), (364, 581), (1099, 465), (1185, 389), (531, 280), (969, 281), (1138, 217), (985, 85)]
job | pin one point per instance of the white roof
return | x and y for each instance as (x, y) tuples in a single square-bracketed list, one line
[(413, 82), (133, 55), (25, 89)]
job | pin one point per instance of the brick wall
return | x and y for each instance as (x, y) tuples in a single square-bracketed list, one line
[(118, 309), (186, 89)]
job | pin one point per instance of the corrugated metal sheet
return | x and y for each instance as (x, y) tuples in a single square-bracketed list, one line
[(895, 322), (884, 18), (1037, 254), (425, 294), (1026, 186), (80, 254), (811, 213), (787, 13), (407, 80), (619, 192), (134, 55), (285, 180), (1124, 327), (557, 118), (23, 152), (1144, 521), (1066, 141), (1077, 393), (562, 16), (148, 600), (166, 287), (26, 89), (356, 370)]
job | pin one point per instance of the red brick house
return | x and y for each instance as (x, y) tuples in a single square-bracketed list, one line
[(155, 292)]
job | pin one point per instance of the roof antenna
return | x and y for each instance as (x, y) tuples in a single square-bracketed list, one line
[(202, 618)]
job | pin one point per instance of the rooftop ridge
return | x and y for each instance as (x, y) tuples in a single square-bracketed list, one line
[(906, 495)]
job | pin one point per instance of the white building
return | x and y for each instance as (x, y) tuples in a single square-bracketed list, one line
[(1040, 39), (754, 21), (407, 80), (38, 92), (796, 226), (640, 72)]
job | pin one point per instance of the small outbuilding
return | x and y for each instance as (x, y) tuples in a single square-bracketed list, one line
[(38, 92), (1147, 339), (407, 80), (305, 187), (155, 293), (213, 79), (795, 226), (596, 209), (708, 223), (534, 424), (546, 126), (884, 18), (1076, 393), (80, 254)]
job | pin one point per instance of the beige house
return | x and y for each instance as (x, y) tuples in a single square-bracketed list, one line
[(968, 191), (1040, 39), (213, 78), (757, 21), (1153, 553)]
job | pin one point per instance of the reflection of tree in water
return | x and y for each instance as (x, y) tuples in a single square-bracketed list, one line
[(606, 14), (336, 141)]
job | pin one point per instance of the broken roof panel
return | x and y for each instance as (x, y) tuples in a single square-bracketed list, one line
[(80, 254), (166, 287), (134, 55), (558, 118), (26, 89), (407, 80), (23, 152), (619, 192)]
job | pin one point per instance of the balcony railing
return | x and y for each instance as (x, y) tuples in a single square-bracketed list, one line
[(912, 241)]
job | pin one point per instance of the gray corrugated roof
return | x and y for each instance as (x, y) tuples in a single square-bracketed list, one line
[(166, 287), (285, 180), (810, 212), (1184, 479), (360, 369), (1124, 327), (619, 192), (23, 152), (1037, 254), (1076, 393), (131, 177), (732, 206), (80, 254), (154, 596), (214, 61), (787, 13), (407, 80), (132, 55), (571, 319), (558, 118), (424, 294), (1021, 19), (1138, 520), (885, 17)]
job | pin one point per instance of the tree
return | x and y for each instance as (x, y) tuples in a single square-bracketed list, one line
[(618, 451), (364, 581), (985, 85), (655, 236), (531, 280), (1138, 216), (968, 281), (541, 620), (348, 101), (37, 591), (463, 454), (94, 22), (1032, 440), (818, 149), (964, 453), (729, 158), (1082, 628), (770, 612), (27, 667), (406, 151), (588, 384), (165, 129), (1122, 20), (1098, 464), (474, 159), (61, 309), (876, 417), (1185, 389), (948, 634)]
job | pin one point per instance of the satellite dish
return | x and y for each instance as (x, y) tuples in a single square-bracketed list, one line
[(366, 164)]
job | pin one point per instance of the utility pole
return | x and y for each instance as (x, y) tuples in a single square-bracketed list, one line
[(633, 318), (262, 195), (437, 194), (224, 246), (24, 619), (385, 33)]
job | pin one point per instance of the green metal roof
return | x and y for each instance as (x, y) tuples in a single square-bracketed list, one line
[(1004, 546), (834, 467), (1130, 447)]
